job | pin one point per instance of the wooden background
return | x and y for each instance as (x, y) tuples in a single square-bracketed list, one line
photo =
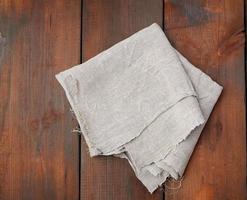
[(39, 156)]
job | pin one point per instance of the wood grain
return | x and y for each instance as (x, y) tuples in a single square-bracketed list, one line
[(211, 35), (106, 22), (39, 157)]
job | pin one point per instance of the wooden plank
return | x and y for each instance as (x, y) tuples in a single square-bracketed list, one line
[(39, 156), (106, 22), (211, 35)]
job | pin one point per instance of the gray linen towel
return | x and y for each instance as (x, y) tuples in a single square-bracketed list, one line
[(143, 101)]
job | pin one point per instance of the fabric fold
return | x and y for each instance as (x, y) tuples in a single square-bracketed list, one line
[(143, 101)]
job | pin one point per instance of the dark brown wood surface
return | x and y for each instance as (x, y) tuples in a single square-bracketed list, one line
[(39, 157), (211, 35)]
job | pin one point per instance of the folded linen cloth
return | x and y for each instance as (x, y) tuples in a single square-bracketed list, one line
[(143, 101)]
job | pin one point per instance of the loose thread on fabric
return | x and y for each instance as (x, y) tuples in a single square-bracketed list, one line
[(171, 190), (77, 129)]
